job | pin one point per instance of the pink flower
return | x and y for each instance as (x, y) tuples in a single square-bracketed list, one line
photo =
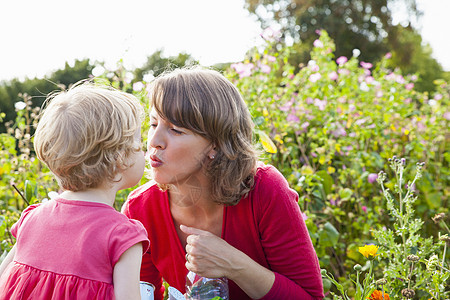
[(369, 80), (320, 103), (292, 118), (388, 55), (343, 71), (372, 177), (390, 76), (333, 75), (304, 216), (409, 86), (288, 105), (446, 115), (366, 65), (438, 97), (364, 208), (314, 77), (341, 60), (265, 69), (244, 70), (318, 44), (314, 67), (400, 79), (271, 58), (339, 132), (309, 100), (379, 94), (270, 34)]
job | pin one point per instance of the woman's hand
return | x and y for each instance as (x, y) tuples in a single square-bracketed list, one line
[(208, 255)]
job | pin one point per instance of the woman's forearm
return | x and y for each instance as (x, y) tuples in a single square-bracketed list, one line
[(254, 279)]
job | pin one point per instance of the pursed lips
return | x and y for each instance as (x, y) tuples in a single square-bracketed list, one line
[(155, 162), (153, 157)]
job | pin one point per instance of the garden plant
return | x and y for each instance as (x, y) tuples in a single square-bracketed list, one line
[(367, 153)]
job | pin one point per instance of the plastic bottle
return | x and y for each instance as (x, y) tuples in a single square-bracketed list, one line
[(202, 288)]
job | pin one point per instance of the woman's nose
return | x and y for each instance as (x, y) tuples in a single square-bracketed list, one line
[(155, 139)]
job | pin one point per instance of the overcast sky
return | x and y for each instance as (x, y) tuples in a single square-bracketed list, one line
[(39, 36)]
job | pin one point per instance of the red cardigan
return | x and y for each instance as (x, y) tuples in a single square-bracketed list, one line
[(267, 225)]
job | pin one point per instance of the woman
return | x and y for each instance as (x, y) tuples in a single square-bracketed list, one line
[(211, 207)]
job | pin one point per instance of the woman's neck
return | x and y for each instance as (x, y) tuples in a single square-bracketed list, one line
[(193, 206), (193, 197)]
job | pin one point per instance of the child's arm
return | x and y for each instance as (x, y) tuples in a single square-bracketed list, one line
[(126, 274), (8, 259)]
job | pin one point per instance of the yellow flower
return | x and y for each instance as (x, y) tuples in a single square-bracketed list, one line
[(368, 251)]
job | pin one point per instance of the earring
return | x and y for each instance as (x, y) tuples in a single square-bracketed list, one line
[(212, 156)]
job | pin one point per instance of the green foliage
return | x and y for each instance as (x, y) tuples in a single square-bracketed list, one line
[(364, 25), (405, 252), (157, 64), (328, 126), (37, 89), (412, 57), (334, 123)]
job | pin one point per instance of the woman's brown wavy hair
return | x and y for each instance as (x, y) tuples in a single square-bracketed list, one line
[(208, 104)]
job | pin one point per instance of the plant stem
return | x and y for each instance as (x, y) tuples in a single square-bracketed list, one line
[(443, 256), (410, 274), (399, 176), (446, 227), (21, 195)]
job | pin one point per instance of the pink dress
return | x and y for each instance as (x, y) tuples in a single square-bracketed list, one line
[(67, 250)]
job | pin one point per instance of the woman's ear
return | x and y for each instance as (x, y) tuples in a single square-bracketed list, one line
[(212, 153)]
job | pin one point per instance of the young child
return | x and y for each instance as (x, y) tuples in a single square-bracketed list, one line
[(78, 246)]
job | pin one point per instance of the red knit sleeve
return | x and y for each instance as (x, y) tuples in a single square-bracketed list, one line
[(285, 239), (149, 273)]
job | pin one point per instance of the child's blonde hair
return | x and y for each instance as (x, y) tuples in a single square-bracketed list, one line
[(86, 134)]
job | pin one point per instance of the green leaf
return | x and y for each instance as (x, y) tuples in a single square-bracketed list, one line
[(327, 181), (328, 235), (345, 194), (433, 199), (30, 190)]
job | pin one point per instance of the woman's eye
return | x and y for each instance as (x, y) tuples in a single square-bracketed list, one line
[(153, 125), (176, 131)]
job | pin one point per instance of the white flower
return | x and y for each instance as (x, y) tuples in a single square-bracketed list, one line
[(20, 105), (138, 86), (98, 70)]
